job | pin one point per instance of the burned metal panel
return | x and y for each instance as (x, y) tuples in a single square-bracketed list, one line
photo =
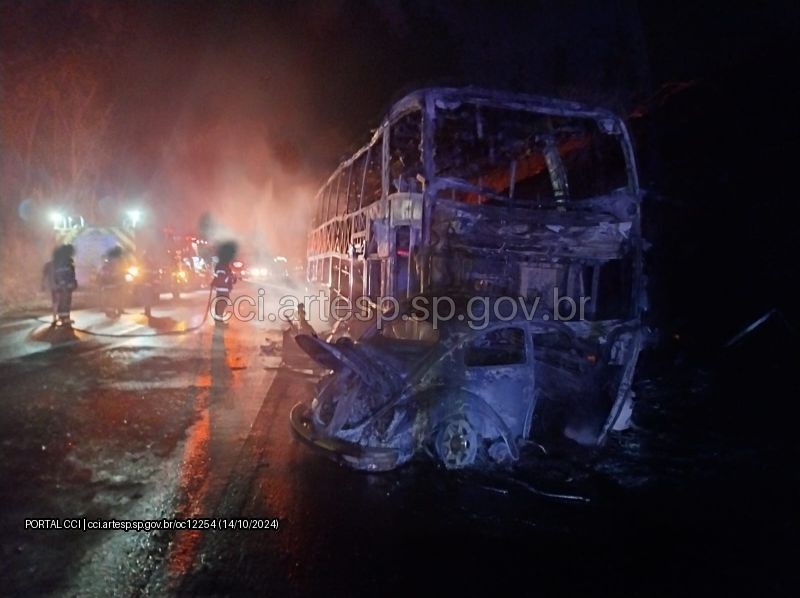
[(375, 400), (513, 201), (476, 208), (388, 394)]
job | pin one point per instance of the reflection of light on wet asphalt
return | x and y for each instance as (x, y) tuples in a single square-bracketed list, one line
[(213, 394), (215, 383), (193, 483)]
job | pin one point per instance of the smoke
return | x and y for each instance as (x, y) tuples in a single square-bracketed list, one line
[(241, 111), (234, 184), (267, 219), (233, 132)]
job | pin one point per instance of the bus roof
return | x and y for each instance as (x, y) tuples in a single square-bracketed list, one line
[(433, 97)]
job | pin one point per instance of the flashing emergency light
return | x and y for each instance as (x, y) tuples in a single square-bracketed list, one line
[(134, 216)]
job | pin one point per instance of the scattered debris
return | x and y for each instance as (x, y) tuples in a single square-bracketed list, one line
[(773, 314), (552, 495), (269, 348)]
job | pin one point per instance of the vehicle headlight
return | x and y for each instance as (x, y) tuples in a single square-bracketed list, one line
[(133, 272), (129, 277)]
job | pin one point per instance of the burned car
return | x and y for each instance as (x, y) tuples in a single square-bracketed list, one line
[(482, 194), (464, 390)]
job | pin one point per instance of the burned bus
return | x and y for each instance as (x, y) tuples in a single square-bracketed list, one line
[(489, 194)]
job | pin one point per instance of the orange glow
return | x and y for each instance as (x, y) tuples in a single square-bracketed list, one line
[(193, 487)]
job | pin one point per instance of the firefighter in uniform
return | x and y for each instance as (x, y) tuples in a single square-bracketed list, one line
[(148, 288), (224, 279), (112, 282), (47, 286), (62, 283)]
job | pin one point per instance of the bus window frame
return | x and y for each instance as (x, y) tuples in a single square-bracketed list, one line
[(354, 185), (377, 142)]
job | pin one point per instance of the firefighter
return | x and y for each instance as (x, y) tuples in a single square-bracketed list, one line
[(62, 284), (148, 282), (47, 286), (224, 279), (112, 282)]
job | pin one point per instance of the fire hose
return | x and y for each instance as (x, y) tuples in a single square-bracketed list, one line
[(142, 335)]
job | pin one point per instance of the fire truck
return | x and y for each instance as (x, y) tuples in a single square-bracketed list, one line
[(153, 261)]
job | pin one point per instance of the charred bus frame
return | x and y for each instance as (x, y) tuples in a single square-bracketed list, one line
[(497, 194), (405, 215)]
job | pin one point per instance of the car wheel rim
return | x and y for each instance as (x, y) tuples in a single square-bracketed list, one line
[(458, 444)]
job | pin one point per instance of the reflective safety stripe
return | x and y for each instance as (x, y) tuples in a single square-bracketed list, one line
[(124, 237), (222, 289)]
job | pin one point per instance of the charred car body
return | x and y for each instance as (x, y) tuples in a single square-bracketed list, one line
[(478, 194)]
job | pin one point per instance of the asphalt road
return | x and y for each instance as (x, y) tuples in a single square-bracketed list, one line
[(182, 423), (129, 418)]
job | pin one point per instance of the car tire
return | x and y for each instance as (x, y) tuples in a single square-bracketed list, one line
[(457, 443)]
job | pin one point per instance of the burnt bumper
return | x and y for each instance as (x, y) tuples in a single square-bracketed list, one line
[(354, 455)]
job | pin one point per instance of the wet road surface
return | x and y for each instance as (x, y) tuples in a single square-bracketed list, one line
[(119, 426), (196, 425)]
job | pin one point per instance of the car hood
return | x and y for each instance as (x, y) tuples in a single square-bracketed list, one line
[(374, 365)]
